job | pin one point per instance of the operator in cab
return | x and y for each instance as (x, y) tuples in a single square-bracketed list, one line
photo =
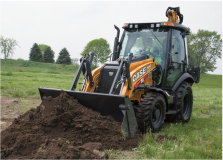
[(152, 52), (148, 44)]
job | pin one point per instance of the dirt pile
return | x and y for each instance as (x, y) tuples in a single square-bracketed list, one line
[(62, 128)]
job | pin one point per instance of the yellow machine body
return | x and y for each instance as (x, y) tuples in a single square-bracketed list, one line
[(140, 73)]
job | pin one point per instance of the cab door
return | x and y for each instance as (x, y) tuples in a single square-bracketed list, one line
[(176, 58)]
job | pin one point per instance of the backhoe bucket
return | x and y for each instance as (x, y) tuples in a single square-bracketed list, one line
[(117, 106)]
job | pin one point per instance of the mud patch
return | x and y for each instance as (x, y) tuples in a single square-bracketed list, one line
[(62, 128), (13, 107), (5, 124)]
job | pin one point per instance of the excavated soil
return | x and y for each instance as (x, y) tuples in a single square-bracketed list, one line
[(63, 128)]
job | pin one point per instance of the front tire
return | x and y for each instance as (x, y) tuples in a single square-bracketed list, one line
[(151, 112)]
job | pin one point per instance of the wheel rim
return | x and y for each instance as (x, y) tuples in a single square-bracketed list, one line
[(157, 113)]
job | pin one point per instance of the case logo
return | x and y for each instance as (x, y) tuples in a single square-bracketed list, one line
[(141, 72)]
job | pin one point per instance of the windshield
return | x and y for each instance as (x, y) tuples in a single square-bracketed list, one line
[(145, 41)]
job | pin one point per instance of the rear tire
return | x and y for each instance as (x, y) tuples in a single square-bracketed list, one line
[(151, 112), (184, 103)]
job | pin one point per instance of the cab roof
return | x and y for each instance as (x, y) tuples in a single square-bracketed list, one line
[(156, 25)]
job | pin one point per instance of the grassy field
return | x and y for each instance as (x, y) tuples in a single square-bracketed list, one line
[(200, 138), (20, 78)]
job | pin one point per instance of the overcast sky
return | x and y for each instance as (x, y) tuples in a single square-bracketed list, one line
[(72, 24)]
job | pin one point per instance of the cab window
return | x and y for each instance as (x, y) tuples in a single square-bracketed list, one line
[(151, 42)]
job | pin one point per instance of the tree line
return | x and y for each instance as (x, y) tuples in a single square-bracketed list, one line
[(44, 53), (204, 47)]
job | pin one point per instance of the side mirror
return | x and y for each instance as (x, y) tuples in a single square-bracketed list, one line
[(195, 73)]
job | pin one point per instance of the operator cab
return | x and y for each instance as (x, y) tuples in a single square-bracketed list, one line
[(164, 42), (145, 41)]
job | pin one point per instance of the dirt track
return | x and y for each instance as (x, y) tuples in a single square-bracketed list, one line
[(62, 128), (11, 108)]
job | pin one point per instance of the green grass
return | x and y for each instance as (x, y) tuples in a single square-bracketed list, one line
[(20, 78), (200, 138)]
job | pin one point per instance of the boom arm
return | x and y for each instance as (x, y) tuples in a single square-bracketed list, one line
[(172, 13)]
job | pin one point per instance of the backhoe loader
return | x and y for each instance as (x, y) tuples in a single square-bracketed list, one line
[(146, 81)]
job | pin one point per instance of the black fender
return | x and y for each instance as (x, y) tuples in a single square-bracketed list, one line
[(168, 98), (184, 77)]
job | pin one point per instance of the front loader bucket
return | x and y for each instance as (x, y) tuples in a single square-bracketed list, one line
[(117, 106)]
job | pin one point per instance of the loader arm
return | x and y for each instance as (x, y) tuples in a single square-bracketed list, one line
[(85, 61)]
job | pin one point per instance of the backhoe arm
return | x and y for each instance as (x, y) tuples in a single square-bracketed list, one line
[(173, 13)]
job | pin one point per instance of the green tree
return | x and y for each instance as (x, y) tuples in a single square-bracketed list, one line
[(204, 47), (35, 53), (42, 47), (101, 50), (48, 55), (64, 57), (7, 46)]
